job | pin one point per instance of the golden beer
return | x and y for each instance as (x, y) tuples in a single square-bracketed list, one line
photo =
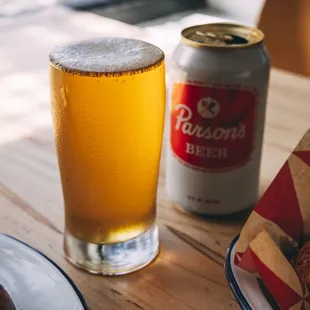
[(108, 104)]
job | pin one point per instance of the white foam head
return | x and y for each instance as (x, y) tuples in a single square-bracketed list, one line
[(106, 55)]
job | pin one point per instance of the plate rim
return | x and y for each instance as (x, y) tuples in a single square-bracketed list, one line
[(71, 282), (241, 299)]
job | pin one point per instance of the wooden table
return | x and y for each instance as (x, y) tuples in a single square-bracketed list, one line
[(189, 272)]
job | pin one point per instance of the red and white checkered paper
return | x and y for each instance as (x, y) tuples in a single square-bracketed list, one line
[(278, 225)]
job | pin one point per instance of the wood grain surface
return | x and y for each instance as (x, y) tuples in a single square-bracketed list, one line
[(189, 272)]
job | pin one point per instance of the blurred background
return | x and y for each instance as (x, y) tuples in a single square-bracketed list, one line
[(143, 11), (286, 23)]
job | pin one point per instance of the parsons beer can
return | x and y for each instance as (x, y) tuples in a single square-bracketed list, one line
[(217, 107)]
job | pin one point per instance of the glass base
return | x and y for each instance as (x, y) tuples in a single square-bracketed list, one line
[(113, 259)]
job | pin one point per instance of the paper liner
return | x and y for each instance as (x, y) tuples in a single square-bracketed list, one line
[(278, 225)]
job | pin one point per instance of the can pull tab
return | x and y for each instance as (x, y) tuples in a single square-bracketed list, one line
[(214, 36), (228, 39)]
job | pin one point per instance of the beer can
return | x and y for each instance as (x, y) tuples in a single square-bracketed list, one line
[(219, 78)]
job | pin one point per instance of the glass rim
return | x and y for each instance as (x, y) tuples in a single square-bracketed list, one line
[(106, 56), (77, 72)]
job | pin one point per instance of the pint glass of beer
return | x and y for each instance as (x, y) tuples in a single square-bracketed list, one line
[(108, 105)]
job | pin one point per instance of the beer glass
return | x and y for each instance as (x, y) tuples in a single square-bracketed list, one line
[(108, 105)]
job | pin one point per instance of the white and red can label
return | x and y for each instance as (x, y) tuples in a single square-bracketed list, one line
[(212, 126)]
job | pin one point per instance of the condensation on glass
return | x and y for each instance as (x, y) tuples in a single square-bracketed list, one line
[(108, 104)]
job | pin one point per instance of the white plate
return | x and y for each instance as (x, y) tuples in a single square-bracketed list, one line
[(33, 281), (244, 285)]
